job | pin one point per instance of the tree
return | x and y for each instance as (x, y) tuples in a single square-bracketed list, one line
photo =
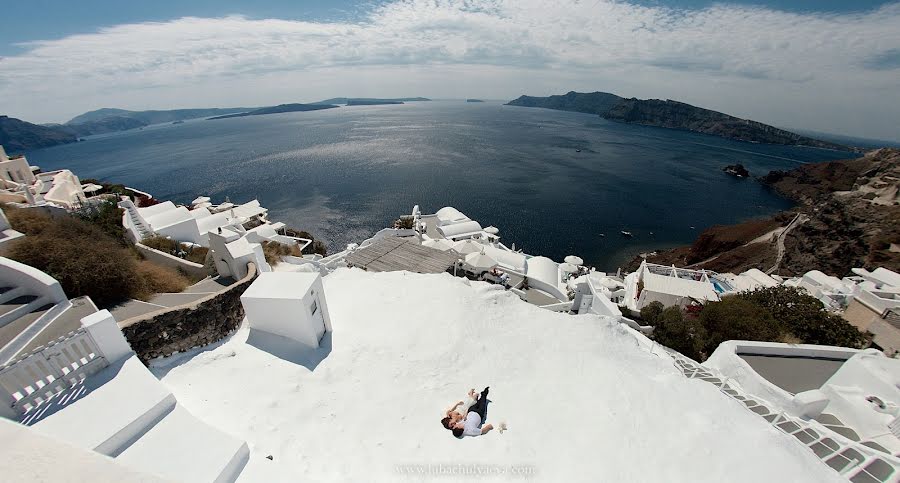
[(805, 317), (652, 312), (734, 318), (683, 334)]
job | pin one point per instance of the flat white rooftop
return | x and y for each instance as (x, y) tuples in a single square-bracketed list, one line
[(584, 399)]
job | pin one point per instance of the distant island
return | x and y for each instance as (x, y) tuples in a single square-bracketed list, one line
[(364, 101), (674, 115), (281, 108), (371, 102), (153, 117), (474, 100), (18, 136)]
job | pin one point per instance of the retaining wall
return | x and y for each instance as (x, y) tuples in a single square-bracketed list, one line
[(180, 328)]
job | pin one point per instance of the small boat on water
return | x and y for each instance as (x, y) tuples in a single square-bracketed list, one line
[(577, 150), (627, 233), (603, 235)]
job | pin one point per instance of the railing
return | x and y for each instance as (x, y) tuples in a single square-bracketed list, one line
[(560, 307), (12, 348), (853, 460), (36, 377)]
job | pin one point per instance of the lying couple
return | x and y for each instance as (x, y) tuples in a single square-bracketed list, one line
[(465, 417)]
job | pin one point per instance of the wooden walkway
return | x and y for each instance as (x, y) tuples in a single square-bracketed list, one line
[(393, 254)]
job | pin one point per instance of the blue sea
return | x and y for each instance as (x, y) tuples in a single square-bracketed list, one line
[(344, 173)]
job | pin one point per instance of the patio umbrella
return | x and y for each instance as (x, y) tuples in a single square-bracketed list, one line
[(493, 230), (91, 187), (574, 260), (437, 244), (568, 267), (480, 262), (467, 246)]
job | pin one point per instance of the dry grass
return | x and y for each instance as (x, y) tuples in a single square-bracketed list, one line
[(158, 279), (166, 245), (87, 260), (273, 251), (29, 221)]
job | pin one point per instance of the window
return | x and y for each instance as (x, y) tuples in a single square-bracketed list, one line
[(313, 308)]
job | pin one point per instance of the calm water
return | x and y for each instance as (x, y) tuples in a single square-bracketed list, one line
[(344, 173)]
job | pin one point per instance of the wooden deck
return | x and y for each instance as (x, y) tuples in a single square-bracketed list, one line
[(393, 254)]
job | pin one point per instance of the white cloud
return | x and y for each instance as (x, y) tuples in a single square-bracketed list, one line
[(819, 71)]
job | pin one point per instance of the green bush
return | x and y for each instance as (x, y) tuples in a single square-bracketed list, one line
[(684, 334), (652, 312), (107, 216), (734, 318), (805, 317)]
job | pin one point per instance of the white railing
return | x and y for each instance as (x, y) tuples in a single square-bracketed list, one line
[(36, 377), (13, 347), (853, 460), (560, 307)]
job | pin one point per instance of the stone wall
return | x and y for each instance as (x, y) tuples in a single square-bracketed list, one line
[(180, 328)]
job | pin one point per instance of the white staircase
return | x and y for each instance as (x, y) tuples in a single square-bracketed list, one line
[(140, 228), (856, 461), (90, 390), (16, 302)]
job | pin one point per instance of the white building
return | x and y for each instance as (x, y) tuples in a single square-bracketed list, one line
[(288, 304), (833, 292), (875, 306), (23, 184), (232, 251), (7, 234), (670, 286), (189, 225)]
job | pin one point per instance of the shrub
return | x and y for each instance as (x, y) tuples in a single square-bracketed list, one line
[(273, 251), (314, 247), (684, 334), (161, 243), (652, 312), (107, 216), (191, 253), (29, 221), (805, 317), (317, 247), (158, 279), (734, 318), (84, 259)]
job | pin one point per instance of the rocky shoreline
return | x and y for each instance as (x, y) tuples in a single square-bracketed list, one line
[(847, 215)]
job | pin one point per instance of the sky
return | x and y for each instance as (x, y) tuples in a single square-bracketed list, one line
[(823, 65)]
